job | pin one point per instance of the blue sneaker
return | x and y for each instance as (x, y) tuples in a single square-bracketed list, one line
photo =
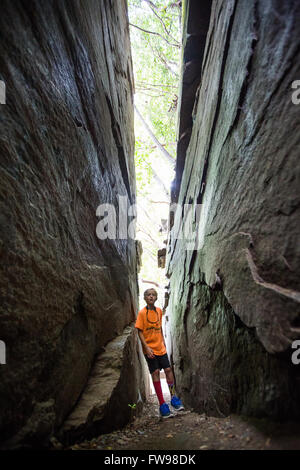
[(177, 404), (165, 411)]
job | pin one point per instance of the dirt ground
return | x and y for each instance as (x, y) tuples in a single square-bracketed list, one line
[(188, 430)]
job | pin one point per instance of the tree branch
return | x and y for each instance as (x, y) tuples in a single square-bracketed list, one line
[(164, 152), (151, 282), (141, 229), (140, 83), (148, 94), (150, 4), (149, 147), (164, 61), (155, 33), (151, 254), (159, 202), (161, 183), (153, 222)]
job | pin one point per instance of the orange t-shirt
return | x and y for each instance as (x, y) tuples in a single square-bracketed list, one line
[(150, 322)]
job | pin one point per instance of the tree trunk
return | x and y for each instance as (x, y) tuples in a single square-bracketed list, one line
[(164, 152)]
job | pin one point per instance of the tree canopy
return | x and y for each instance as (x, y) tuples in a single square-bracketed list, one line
[(155, 40), (155, 35)]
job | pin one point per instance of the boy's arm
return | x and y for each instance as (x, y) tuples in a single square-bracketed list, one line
[(148, 351), (162, 333)]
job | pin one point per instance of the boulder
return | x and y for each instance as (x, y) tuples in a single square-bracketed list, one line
[(111, 393)]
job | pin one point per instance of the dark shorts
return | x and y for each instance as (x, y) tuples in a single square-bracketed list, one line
[(158, 362)]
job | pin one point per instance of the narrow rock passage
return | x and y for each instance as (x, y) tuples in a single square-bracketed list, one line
[(222, 231), (191, 431)]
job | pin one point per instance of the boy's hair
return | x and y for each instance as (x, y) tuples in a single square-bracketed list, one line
[(147, 290)]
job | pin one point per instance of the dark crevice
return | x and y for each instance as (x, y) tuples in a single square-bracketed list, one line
[(120, 148)]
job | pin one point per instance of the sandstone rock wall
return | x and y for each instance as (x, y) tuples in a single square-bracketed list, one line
[(234, 302), (196, 16), (66, 146)]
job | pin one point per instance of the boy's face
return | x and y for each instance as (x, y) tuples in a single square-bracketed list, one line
[(150, 297)]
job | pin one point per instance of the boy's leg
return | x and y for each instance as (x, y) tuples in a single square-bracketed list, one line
[(175, 401), (163, 407), (155, 374), (170, 380), (157, 385), (164, 364), (154, 370)]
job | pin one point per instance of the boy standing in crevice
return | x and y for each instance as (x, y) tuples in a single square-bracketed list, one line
[(149, 325)]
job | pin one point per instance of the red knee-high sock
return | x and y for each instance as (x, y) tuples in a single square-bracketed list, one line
[(158, 391)]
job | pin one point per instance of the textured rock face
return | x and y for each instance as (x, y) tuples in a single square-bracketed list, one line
[(104, 403), (196, 20), (235, 298), (66, 146)]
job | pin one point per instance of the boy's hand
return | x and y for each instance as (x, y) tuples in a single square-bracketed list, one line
[(149, 353)]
